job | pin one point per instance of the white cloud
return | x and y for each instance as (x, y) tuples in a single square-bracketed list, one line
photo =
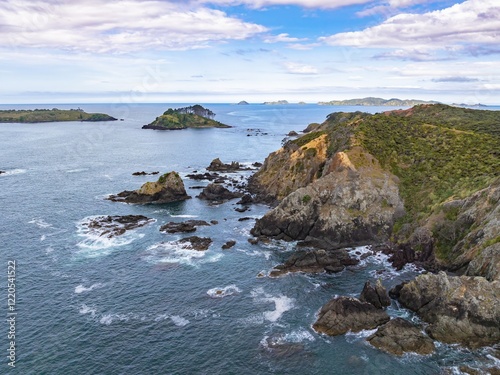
[(282, 38), (329, 4), (116, 26), (296, 68), (470, 22)]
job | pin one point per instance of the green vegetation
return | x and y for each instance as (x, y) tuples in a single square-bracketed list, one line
[(187, 117), (51, 115), (306, 199), (439, 153)]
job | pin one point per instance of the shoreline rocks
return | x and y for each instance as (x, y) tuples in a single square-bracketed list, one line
[(344, 314), (399, 336), (142, 173), (197, 243), (459, 309), (315, 261), (375, 294), (169, 188)]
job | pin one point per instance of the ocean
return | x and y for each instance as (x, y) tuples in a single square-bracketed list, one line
[(141, 304)]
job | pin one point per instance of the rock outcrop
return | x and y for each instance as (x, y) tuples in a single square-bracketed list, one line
[(169, 188), (197, 243), (349, 205), (217, 193), (218, 166), (183, 227), (375, 294), (112, 226), (399, 336), (315, 261), (344, 314), (464, 310)]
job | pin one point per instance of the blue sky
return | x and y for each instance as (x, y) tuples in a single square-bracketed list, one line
[(57, 51)]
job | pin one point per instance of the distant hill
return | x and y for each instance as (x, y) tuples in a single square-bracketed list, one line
[(243, 102), (278, 102), (378, 102), (187, 117), (52, 115)]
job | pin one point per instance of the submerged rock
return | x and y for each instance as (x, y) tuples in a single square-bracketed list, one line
[(399, 336), (217, 193), (344, 314), (464, 310), (185, 227), (197, 243), (376, 295), (112, 226), (169, 188), (315, 261)]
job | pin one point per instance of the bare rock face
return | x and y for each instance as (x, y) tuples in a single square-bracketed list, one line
[(169, 188), (346, 207), (464, 310), (344, 314), (376, 295), (315, 261), (487, 263), (399, 336)]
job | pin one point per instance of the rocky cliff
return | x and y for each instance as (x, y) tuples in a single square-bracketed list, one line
[(427, 178)]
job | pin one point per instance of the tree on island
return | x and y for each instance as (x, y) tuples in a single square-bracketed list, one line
[(194, 109)]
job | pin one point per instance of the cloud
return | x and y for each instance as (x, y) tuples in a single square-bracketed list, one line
[(117, 26), (296, 68), (455, 79), (326, 4), (471, 22), (282, 38)]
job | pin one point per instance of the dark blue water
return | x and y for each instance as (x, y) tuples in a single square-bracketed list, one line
[(139, 304)]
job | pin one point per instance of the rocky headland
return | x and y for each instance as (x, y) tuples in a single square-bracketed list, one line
[(423, 184), (167, 189), (52, 115)]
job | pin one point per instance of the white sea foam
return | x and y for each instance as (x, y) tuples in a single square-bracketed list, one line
[(356, 336), (185, 216), (96, 243), (282, 304), (178, 253), (40, 223), (107, 319), (223, 292), (43, 238), (87, 310), (256, 253), (77, 170), (81, 289), (13, 172), (179, 321)]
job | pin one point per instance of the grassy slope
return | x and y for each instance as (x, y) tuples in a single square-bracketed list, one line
[(52, 115)]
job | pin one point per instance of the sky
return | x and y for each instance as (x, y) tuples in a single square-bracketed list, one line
[(225, 51)]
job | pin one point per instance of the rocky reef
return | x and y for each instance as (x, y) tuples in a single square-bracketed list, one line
[(113, 226), (169, 188)]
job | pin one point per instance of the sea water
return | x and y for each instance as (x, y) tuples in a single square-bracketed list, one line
[(141, 303)]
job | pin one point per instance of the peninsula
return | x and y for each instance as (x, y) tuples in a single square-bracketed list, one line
[(378, 102), (187, 117), (51, 115)]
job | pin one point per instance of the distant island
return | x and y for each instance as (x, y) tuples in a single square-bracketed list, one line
[(243, 102), (187, 117), (51, 115), (278, 102), (378, 102)]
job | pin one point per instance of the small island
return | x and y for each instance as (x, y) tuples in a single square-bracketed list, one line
[(378, 102), (187, 117), (51, 115), (243, 102)]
